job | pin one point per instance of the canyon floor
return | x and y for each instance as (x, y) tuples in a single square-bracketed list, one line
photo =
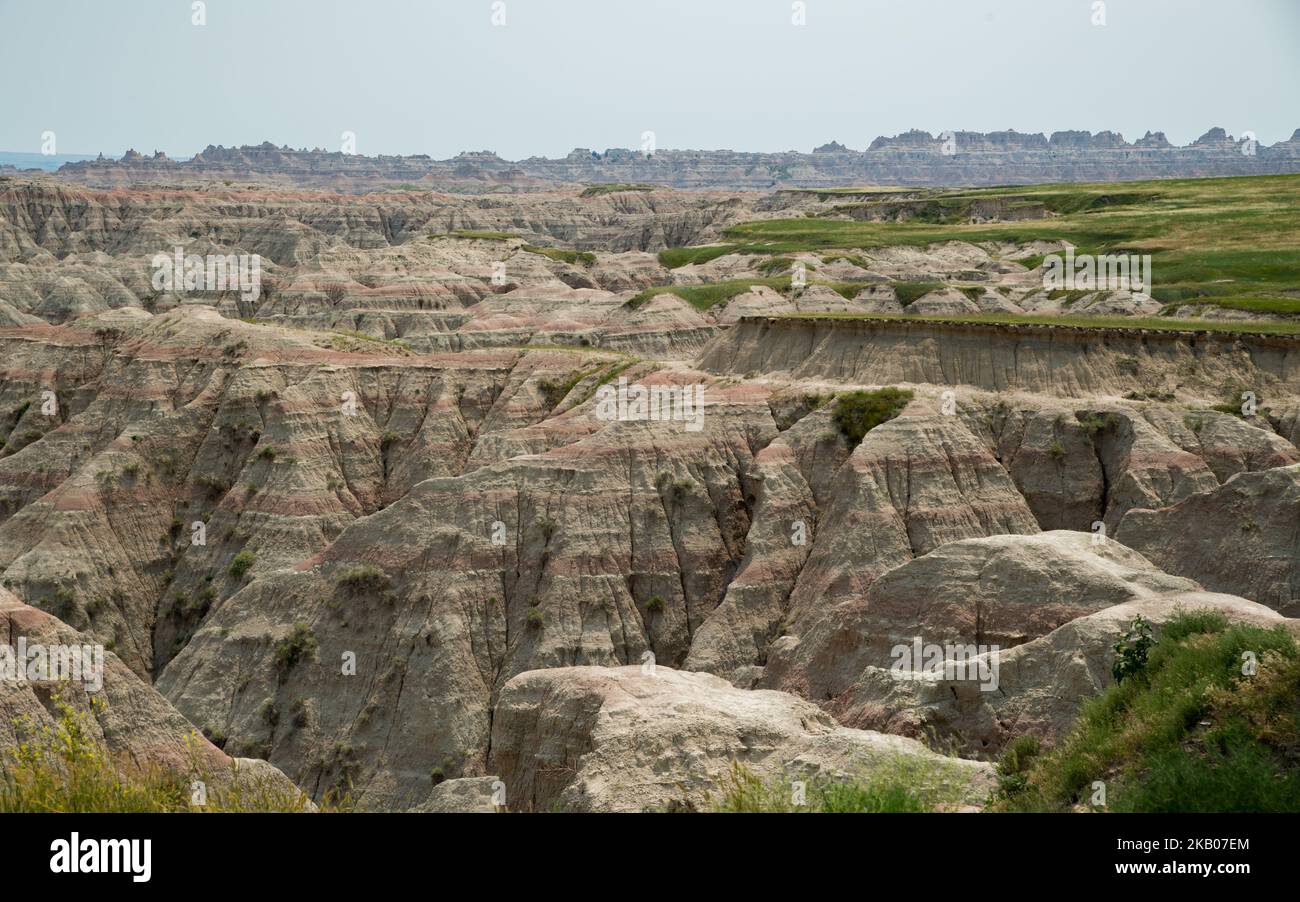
[(371, 532)]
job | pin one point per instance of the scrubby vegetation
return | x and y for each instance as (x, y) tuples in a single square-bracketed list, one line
[(1097, 423), (241, 564), (858, 412), (910, 292), (480, 235), (300, 645), (352, 342), (556, 390), (702, 297), (363, 578), (1205, 719), (675, 257), (64, 768)]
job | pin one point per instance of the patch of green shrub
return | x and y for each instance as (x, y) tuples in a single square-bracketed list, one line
[(363, 578), (241, 564), (857, 413), (300, 645)]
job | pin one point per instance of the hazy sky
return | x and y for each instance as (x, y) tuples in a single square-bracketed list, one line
[(437, 77)]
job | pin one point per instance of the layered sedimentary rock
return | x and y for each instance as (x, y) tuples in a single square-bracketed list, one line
[(1056, 360), (204, 438), (1242, 537), (120, 712), (912, 158), (1003, 590), (1041, 685), (390, 537), (375, 527), (1036, 616)]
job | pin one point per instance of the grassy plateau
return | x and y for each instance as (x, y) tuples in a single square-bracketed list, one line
[(1233, 242)]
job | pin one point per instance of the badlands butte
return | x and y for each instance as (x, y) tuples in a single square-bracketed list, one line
[(365, 533)]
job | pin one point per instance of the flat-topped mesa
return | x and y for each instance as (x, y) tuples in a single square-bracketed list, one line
[(1073, 361), (914, 157)]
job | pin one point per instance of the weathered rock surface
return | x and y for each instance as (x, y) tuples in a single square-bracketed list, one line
[(1041, 684), (621, 739), (371, 526), (606, 551), (1242, 537), (468, 795), (1070, 362), (136, 725), (911, 158), (1001, 591)]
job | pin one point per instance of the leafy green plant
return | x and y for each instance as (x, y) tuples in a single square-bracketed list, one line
[(1131, 650)]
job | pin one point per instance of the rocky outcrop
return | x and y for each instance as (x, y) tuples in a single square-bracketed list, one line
[(1243, 537), (913, 158), (1041, 685), (123, 714), (377, 526), (183, 441), (999, 591), (1069, 361), (635, 739), (1039, 614), (593, 552), (468, 795)]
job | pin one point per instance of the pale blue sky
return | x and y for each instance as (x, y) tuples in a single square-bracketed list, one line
[(436, 77)]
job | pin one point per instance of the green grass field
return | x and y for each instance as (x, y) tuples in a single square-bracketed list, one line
[(702, 297), (1234, 242), (613, 188)]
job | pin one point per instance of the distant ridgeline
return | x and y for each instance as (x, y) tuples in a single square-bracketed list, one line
[(913, 158)]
